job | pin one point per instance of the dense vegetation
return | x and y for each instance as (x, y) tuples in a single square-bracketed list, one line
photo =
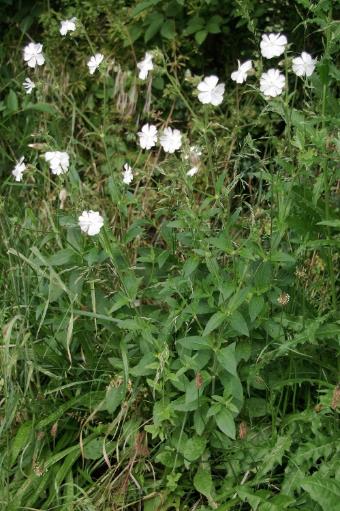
[(186, 357)]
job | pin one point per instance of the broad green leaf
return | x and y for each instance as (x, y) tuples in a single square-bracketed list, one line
[(256, 305), (201, 36), (190, 266), (11, 102), (214, 322), (256, 406), (94, 449), (194, 448), (142, 6), (114, 396), (226, 357), (194, 342), (41, 107), (203, 482), (238, 323), (168, 29), (61, 257), (225, 421), (154, 27)]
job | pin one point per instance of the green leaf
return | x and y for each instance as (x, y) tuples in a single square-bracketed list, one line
[(61, 257), (168, 30), (257, 407), (282, 257), (255, 307), (330, 223), (153, 28), (273, 456), (114, 396), (326, 492), (214, 322), (94, 449), (143, 6), (11, 102), (201, 36), (190, 266), (226, 357), (203, 482), (238, 323), (225, 422), (41, 107), (194, 342), (21, 440), (194, 448)]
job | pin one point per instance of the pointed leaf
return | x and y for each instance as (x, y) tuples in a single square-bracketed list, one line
[(225, 422)]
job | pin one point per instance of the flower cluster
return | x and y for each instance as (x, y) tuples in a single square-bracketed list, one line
[(210, 92)]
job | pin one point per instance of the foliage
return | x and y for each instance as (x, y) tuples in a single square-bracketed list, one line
[(160, 365)]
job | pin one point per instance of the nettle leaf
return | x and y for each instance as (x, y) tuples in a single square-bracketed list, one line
[(225, 421), (239, 324), (203, 482), (256, 305), (143, 6), (214, 322), (168, 30), (326, 492), (227, 358), (194, 448), (156, 21), (194, 342)]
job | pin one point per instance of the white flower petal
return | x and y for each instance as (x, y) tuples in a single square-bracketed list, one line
[(59, 161), (147, 136), (145, 66), (273, 45), (90, 222), (171, 140), (19, 169), (210, 92), (272, 83)]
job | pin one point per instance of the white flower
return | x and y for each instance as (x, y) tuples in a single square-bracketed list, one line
[(171, 140), (59, 161), (127, 174), (273, 45), (28, 85), (241, 74), (68, 26), (304, 65), (272, 83), (19, 169), (210, 92), (95, 62), (33, 55), (192, 171), (90, 222), (148, 136), (145, 66)]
